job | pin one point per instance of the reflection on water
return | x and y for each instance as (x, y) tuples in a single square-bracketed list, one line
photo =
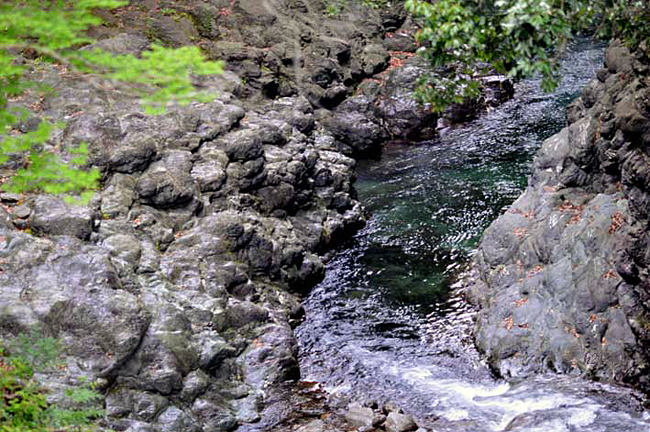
[(388, 323)]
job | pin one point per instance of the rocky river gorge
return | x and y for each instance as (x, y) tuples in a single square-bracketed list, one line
[(390, 321), (185, 290)]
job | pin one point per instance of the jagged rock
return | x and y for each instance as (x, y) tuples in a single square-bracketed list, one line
[(277, 197), (312, 426), (5, 219), (401, 42), (242, 145), (390, 407), (174, 30), (390, 101), (355, 129), (374, 59), (210, 173), (563, 271), (396, 422), (122, 43), (144, 406), (124, 247), (496, 89), (401, 113), (175, 420), (133, 425), (11, 198), (194, 384), (618, 59), (73, 291), (248, 408), (21, 211), (134, 157), (118, 196), (272, 359), (360, 416), (167, 183), (125, 253), (213, 417), (213, 350), (52, 216), (240, 314)]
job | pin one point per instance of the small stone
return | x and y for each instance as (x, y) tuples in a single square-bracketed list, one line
[(175, 420), (125, 247), (22, 211), (146, 405), (11, 198), (338, 400), (52, 216), (171, 188), (21, 224), (400, 423), (361, 416), (117, 197), (312, 426), (210, 175), (390, 407), (194, 384), (248, 408), (213, 417), (240, 314), (213, 349), (5, 219), (149, 258), (131, 425), (371, 403)]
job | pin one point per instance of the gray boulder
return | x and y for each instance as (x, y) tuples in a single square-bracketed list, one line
[(561, 274), (52, 216), (396, 422), (360, 416)]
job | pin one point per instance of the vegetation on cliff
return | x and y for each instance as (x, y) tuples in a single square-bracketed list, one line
[(469, 38), (24, 405)]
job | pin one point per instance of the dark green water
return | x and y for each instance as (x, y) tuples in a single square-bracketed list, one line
[(389, 321), (432, 201)]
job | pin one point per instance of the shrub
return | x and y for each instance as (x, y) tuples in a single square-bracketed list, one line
[(520, 38), (24, 405)]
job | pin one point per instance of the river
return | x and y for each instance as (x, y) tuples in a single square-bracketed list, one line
[(389, 322)]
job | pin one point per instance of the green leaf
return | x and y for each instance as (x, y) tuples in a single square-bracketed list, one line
[(517, 37)]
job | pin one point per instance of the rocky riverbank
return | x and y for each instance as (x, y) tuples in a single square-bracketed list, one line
[(176, 289), (563, 274)]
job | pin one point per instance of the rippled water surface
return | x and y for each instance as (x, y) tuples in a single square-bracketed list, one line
[(388, 323)]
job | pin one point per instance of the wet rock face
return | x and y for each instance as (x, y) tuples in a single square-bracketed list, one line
[(277, 48), (391, 101), (354, 124), (564, 273), (178, 284), (388, 100)]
